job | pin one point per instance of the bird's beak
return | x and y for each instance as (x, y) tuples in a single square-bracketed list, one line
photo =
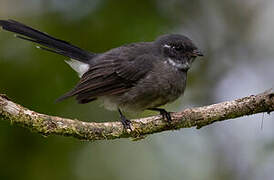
[(197, 52)]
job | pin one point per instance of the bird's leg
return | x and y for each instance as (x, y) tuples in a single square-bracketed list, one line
[(163, 112), (126, 123)]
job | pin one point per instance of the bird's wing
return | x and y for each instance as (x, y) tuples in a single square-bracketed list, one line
[(110, 77)]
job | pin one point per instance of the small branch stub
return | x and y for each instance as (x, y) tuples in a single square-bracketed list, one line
[(194, 117)]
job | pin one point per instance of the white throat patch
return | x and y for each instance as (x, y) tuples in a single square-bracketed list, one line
[(175, 64), (80, 67)]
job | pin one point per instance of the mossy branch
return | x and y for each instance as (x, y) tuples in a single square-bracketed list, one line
[(194, 117)]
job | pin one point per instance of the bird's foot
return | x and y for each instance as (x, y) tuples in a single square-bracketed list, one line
[(166, 115), (126, 123)]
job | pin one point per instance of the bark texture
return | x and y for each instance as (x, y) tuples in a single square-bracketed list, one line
[(193, 117)]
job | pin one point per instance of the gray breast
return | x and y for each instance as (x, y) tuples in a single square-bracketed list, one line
[(162, 85)]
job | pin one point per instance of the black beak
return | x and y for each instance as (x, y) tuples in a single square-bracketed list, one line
[(197, 52)]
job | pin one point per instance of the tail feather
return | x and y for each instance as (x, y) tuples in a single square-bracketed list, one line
[(53, 44)]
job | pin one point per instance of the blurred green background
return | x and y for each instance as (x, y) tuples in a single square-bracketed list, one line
[(238, 42)]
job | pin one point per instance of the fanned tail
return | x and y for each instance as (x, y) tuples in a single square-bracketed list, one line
[(51, 44)]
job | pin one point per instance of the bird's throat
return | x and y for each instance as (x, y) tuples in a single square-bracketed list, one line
[(177, 64)]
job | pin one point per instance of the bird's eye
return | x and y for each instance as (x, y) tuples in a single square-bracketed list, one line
[(178, 48)]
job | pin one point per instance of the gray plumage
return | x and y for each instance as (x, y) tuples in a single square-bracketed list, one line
[(133, 77)]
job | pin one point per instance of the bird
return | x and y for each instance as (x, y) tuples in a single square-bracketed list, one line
[(133, 77)]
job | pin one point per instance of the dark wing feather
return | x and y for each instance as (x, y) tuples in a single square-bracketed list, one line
[(110, 77)]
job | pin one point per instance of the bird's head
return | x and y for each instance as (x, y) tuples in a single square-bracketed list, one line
[(178, 50)]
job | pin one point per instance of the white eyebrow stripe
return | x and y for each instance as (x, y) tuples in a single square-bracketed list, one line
[(167, 46)]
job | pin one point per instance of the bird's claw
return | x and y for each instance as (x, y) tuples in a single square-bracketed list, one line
[(126, 123), (166, 115)]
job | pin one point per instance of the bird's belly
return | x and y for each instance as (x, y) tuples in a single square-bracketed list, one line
[(137, 103), (153, 91)]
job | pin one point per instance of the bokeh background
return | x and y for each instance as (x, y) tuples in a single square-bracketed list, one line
[(238, 42)]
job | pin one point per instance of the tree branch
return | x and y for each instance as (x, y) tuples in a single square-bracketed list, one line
[(194, 117)]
